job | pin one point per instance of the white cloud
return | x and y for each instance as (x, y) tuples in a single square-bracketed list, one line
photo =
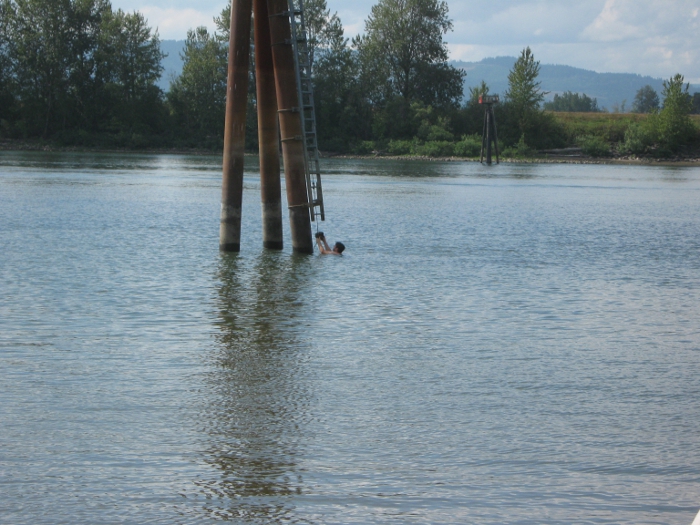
[(612, 24), (173, 23), (661, 37), (523, 23), (650, 37)]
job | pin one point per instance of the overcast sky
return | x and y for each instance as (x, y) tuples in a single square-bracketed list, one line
[(649, 37)]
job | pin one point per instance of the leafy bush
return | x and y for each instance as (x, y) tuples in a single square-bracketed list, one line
[(439, 133), (642, 136), (675, 126), (594, 146), (434, 148), (364, 147), (520, 150), (469, 146), (665, 132), (400, 147)]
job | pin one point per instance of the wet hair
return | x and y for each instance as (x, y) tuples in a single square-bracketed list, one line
[(340, 246)]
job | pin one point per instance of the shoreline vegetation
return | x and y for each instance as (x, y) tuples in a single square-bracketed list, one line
[(570, 156), (83, 76)]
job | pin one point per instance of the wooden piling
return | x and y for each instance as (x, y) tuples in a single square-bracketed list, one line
[(489, 137), (268, 135), (234, 131), (291, 127)]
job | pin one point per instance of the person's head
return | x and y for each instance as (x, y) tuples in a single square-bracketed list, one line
[(338, 247)]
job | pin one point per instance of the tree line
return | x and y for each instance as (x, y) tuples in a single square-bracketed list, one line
[(70, 69), (77, 72)]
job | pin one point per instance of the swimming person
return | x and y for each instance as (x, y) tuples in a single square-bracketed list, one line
[(323, 247)]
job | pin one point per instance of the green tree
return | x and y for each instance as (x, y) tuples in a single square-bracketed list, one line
[(41, 56), (667, 131), (198, 96), (675, 127), (524, 95), (343, 115), (403, 53), (131, 54), (6, 89), (572, 102), (646, 100), (128, 67), (75, 68), (321, 28), (85, 18), (523, 99), (696, 103)]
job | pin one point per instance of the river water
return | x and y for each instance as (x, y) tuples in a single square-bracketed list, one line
[(507, 344)]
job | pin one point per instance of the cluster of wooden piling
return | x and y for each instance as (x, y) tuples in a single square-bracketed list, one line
[(489, 136), (277, 101)]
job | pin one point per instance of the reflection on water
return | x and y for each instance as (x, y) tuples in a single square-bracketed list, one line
[(261, 397), (513, 344)]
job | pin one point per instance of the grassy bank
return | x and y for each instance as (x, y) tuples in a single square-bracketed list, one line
[(580, 136), (608, 126)]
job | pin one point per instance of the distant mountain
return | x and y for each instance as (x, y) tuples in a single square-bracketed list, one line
[(609, 89), (172, 64)]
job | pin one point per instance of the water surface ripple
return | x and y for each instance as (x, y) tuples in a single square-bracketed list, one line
[(514, 344)]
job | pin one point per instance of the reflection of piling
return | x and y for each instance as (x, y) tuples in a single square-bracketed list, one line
[(291, 127), (268, 136), (234, 131), (489, 135)]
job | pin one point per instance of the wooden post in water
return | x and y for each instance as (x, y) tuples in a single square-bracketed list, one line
[(268, 136), (489, 138), (291, 127), (489, 135), (234, 131), (276, 77)]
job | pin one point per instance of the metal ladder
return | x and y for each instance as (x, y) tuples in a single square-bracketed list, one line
[(307, 108)]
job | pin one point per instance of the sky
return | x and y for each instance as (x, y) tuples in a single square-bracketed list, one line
[(650, 37)]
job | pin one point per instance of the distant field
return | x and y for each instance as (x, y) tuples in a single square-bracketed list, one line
[(610, 126)]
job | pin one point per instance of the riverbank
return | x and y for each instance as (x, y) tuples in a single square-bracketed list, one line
[(565, 157), (541, 159), (31, 145)]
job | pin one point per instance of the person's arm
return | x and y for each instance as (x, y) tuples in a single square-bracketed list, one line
[(325, 244), (321, 241)]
